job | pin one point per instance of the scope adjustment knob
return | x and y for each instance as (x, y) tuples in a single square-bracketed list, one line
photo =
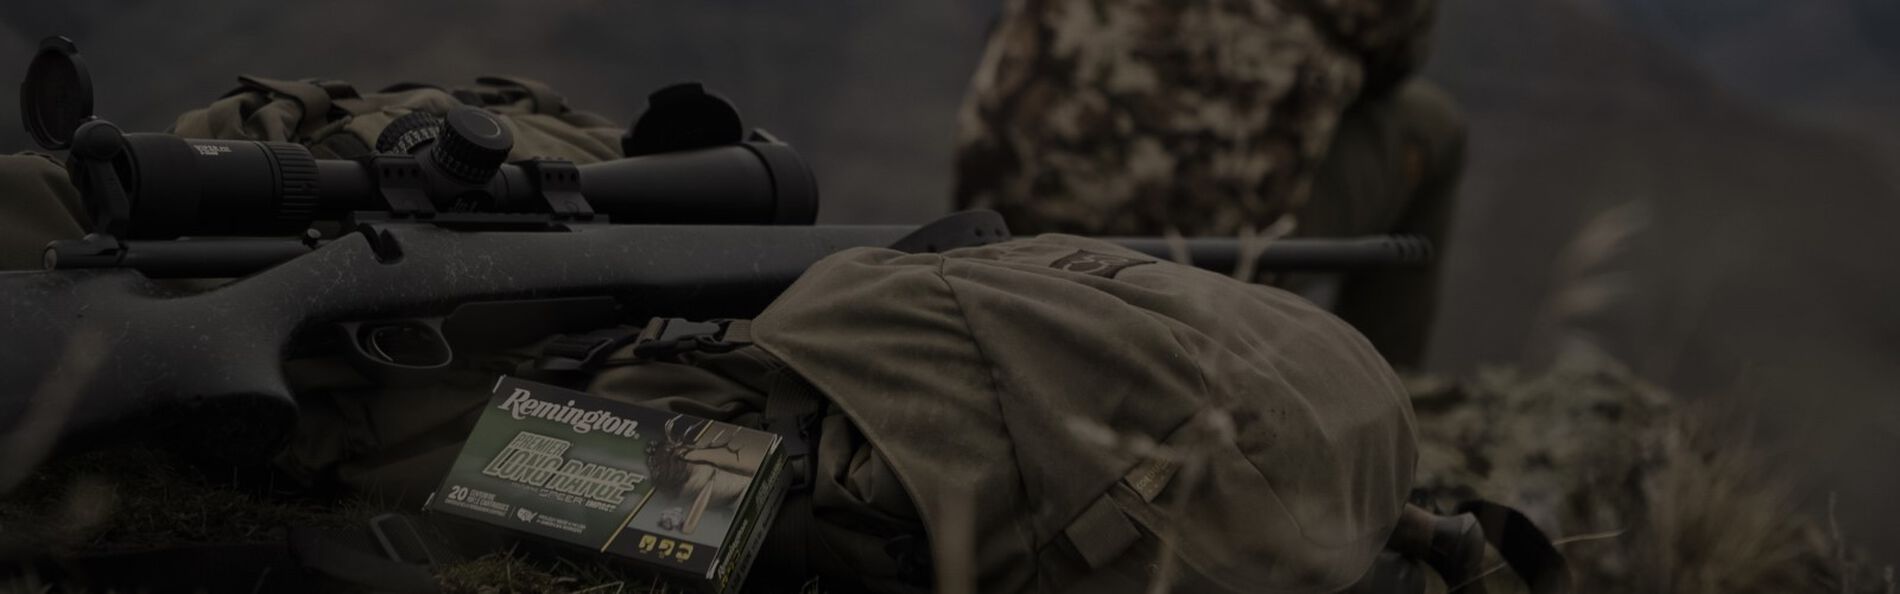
[(409, 132), (472, 145)]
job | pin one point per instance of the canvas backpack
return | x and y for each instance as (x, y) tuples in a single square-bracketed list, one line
[(1067, 415), (1070, 406), (337, 122)]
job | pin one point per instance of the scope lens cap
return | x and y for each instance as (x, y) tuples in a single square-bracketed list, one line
[(682, 117), (56, 96)]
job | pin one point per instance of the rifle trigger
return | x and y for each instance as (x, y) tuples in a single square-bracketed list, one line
[(399, 352)]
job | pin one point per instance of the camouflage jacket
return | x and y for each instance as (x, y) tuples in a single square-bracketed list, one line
[(1139, 116)]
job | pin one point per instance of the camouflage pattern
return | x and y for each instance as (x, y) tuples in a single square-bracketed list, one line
[(336, 122), (1654, 495), (1389, 37), (1139, 116)]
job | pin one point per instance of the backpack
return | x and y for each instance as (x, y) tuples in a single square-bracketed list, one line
[(1078, 405), (1061, 414), (336, 122)]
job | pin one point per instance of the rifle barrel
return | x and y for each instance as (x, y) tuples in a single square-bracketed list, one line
[(1300, 254), (231, 257)]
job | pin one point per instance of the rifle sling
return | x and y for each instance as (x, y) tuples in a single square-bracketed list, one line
[(1525, 549)]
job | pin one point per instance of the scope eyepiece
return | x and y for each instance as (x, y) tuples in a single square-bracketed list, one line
[(215, 187)]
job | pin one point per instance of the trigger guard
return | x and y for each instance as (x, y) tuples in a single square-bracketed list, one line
[(404, 352)]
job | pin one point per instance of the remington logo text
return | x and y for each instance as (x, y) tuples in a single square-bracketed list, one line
[(522, 405)]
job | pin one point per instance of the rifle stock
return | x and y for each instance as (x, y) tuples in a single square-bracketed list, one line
[(103, 354)]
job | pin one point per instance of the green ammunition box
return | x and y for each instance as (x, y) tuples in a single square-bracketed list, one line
[(683, 496)]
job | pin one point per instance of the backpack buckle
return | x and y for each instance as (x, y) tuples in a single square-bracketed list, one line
[(670, 337), (579, 352), (799, 439)]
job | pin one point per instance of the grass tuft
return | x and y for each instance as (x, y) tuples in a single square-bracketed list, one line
[(1591, 450)]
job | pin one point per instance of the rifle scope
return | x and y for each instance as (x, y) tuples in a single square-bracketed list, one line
[(176, 187)]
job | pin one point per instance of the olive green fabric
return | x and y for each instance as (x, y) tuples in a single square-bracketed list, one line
[(335, 122), (397, 442), (1393, 167), (986, 373), (38, 204)]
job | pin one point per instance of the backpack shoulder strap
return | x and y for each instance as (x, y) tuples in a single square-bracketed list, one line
[(542, 98), (793, 410), (1454, 547), (793, 407), (343, 96), (314, 100), (1525, 548)]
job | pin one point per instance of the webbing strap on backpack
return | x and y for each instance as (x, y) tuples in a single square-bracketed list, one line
[(792, 405), (314, 99), (545, 100), (793, 408), (321, 103), (1526, 549), (1454, 548), (1101, 533)]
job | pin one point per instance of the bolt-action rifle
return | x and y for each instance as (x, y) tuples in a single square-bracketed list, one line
[(400, 259)]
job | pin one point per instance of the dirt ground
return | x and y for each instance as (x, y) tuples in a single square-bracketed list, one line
[(1644, 496)]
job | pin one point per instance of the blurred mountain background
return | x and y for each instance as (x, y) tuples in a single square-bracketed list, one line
[(1758, 142), (1701, 188)]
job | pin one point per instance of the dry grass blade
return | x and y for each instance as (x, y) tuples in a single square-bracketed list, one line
[(1476, 578), (1584, 282), (617, 586), (1177, 246), (1840, 543), (1220, 430), (954, 544), (1252, 245), (1604, 535)]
